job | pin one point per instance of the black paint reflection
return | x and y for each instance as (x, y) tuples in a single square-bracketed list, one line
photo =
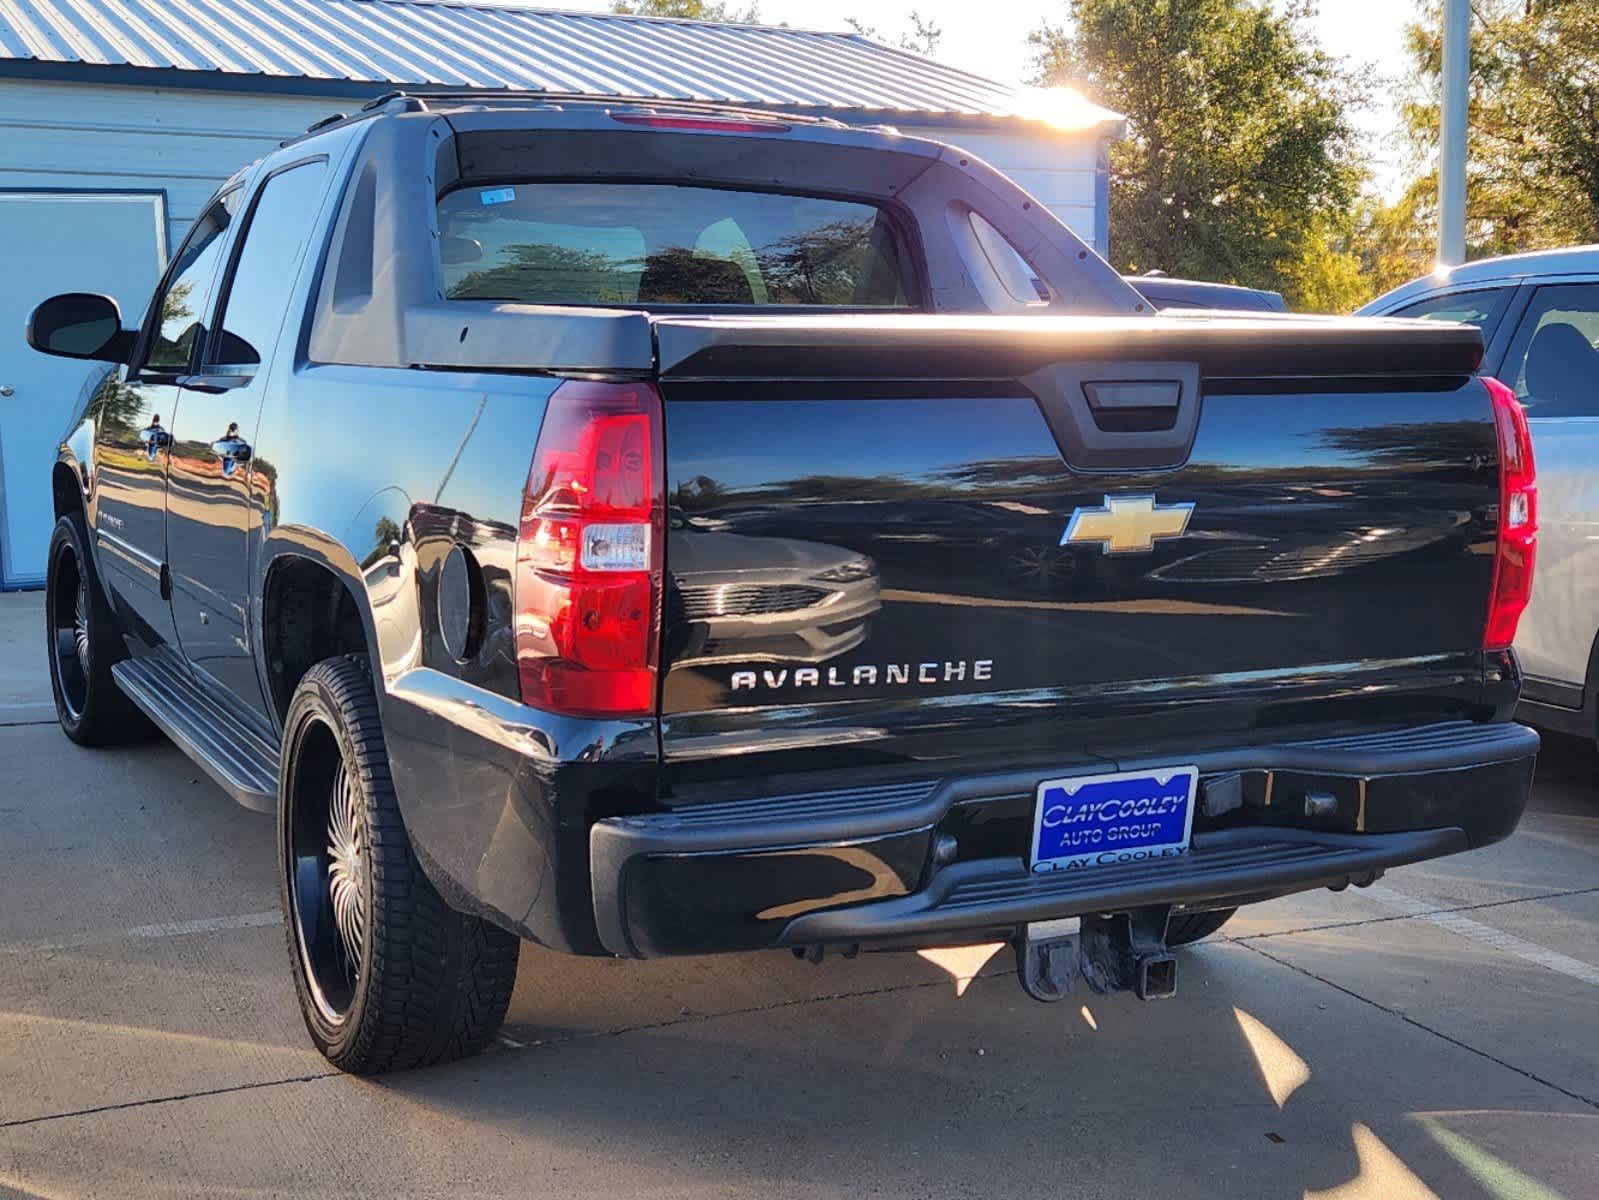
[(741, 598), (1326, 528)]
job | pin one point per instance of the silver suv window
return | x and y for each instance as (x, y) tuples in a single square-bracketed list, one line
[(1554, 361), (1482, 307)]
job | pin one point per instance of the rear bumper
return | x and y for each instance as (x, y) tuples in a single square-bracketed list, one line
[(858, 865)]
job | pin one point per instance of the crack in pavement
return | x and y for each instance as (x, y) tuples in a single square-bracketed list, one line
[(1486, 935), (508, 1043), (1407, 916), (1590, 1101), (202, 1094)]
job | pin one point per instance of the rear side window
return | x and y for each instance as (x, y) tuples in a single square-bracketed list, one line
[(1554, 362), (1015, 274), (666, 245), (1481, 308), (265, 271)]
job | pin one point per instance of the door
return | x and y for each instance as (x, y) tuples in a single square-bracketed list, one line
[(215, 471), (1553, 363), (57, 242), (136, 420)]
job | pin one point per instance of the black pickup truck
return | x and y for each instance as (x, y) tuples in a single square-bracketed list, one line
[(651, 530)]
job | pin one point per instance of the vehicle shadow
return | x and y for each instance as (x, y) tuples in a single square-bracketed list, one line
[(1568, 759), (883, 1081)]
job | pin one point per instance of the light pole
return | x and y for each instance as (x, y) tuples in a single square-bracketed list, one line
[(1452, 134)]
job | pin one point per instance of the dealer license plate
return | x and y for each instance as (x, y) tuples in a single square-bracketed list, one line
[(1104, 820)]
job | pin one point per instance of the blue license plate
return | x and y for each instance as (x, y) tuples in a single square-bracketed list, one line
[(1105, 820)]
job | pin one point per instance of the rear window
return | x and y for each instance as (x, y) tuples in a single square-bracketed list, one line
[(665, 244), (1481, 308)]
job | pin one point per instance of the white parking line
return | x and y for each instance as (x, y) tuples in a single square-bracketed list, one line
[(166, 929), (1496, 939)]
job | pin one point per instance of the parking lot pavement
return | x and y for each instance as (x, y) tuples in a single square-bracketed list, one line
[(1435, 1036)]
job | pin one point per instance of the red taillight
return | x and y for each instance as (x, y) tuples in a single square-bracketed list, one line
[(589, 552), (1518, 520), (699, 124)]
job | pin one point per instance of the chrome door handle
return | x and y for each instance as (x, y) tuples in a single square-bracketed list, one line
[(7, 391), (232, 450)]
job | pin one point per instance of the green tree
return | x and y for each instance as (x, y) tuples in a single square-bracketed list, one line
[(1239, 155), (695, 10), (1533, 151), (1397, 240), (1326, 273), (546, 273)]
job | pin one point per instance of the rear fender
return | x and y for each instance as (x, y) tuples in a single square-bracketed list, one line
[(381, 544), (291, 542)]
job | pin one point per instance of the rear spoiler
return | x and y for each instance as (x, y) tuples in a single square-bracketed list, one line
[(859, 346)]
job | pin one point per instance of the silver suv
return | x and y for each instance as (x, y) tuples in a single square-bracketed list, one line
[(1539, 315)]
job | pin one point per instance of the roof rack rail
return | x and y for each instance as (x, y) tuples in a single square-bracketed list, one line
[(407, 101), (422, 98), (411, 102), (369, 109)]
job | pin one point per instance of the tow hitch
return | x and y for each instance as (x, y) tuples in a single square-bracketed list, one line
[(1121, 952)]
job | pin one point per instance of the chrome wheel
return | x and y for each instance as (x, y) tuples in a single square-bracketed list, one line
[(69, 630), (344, 867), (329, 892), (80, 625), (388, 975)]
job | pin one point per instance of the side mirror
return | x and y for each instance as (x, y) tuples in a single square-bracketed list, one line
[(80, 325)]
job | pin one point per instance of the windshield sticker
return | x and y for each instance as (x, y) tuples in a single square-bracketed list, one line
[(497, 195)]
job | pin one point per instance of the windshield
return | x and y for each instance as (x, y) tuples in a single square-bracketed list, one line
[(665, 244)]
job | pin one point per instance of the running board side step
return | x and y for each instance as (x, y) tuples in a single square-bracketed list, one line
[(242, 761)]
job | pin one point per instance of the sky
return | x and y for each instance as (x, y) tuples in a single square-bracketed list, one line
[(990, 39)]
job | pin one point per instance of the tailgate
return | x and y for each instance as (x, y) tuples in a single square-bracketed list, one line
[(923, 539)]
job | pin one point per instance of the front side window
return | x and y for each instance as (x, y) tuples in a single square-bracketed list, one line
[(1481, 308), (667, 245), (258, 296), (1554, 362), (182, 303)]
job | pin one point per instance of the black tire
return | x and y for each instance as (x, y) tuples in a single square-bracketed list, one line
[(424, 984), (1187, 928), (83, 643)]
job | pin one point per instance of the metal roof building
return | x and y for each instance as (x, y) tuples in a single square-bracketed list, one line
[(119, 117), (459, 43)]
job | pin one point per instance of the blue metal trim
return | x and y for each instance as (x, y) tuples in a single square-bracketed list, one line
[(208, 81), (1102, 200), (164, 216)]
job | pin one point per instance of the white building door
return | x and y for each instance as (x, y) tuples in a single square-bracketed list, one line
[(54, 242)]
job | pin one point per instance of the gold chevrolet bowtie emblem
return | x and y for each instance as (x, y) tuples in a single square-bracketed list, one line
[(1127, 524)]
